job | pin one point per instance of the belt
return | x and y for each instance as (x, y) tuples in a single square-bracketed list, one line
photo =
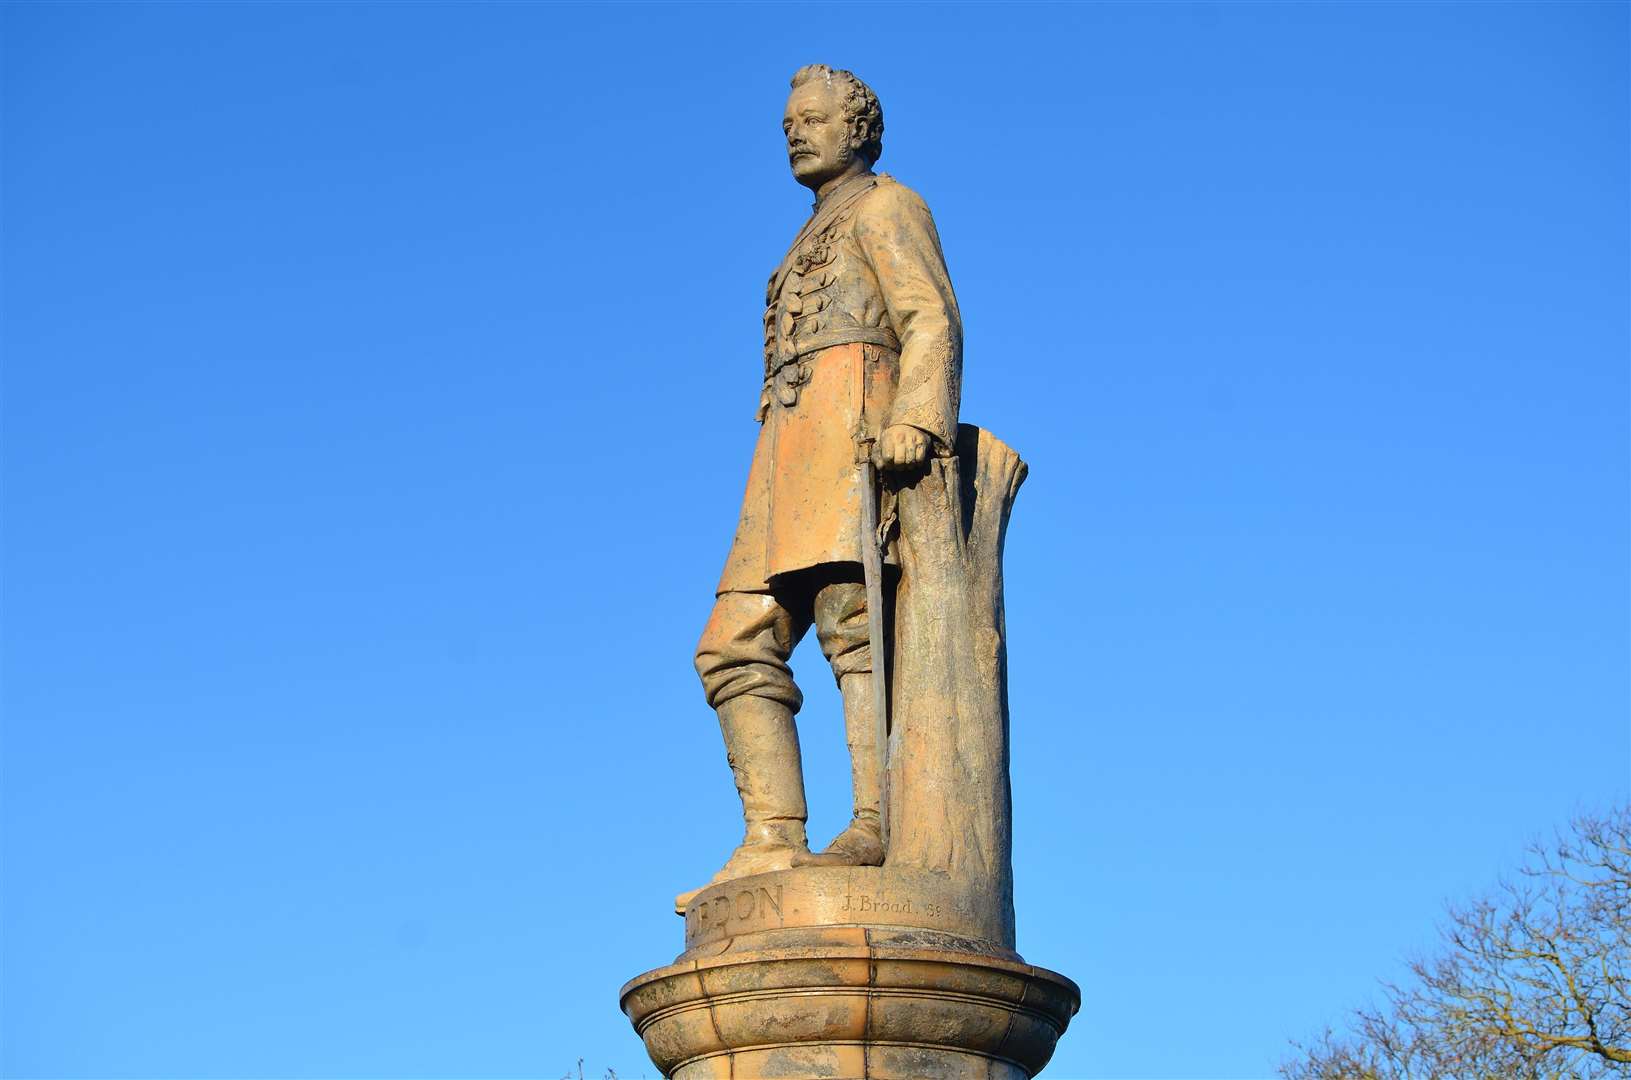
[(785, 387), (840, 335)]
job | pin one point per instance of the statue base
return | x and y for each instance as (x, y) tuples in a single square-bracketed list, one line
[(854, 972)]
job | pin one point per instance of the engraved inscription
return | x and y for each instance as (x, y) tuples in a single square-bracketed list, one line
[(881, 903), (712, 915)]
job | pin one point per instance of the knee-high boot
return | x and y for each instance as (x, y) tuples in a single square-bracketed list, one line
[(762, 746), (861, 844)]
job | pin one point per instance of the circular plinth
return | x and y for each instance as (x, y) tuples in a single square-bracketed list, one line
[(840, 1002), (873, 896)]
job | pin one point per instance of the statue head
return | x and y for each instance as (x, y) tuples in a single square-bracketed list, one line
[(833, 123)]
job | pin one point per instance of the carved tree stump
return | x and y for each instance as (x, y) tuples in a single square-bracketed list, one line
[(949, 798)]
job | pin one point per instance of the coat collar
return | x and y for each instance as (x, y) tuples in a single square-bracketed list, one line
[(837, 193)]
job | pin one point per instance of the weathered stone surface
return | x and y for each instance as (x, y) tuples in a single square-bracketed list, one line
[(850, 1010), (949, 804), (875, 517), (875, 896), (863, 348)]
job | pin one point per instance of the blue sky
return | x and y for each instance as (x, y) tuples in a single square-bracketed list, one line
[(378, 397)]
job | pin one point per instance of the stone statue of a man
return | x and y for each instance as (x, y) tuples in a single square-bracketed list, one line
[(873, 515), (863, 347)]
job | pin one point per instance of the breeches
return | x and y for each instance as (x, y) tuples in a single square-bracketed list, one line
[(750, 635)]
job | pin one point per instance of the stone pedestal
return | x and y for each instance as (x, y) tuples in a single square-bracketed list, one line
[(854, 972)]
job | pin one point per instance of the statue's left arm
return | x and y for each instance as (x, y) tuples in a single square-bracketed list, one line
[(897, 235)]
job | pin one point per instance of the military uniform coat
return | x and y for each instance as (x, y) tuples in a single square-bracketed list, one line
[(861, 333)]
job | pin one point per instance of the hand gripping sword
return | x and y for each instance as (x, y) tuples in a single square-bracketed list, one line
[(872, 574)]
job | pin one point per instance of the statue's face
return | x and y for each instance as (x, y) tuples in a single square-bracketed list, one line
[(820, 144)]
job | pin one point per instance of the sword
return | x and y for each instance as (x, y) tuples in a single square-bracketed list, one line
[(872, 574)]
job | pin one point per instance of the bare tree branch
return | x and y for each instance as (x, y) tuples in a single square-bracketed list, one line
[(1533, 981)]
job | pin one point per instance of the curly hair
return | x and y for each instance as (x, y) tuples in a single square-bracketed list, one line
[(860, 104)]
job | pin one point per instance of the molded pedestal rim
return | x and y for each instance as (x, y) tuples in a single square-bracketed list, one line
[(841, 1005)]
